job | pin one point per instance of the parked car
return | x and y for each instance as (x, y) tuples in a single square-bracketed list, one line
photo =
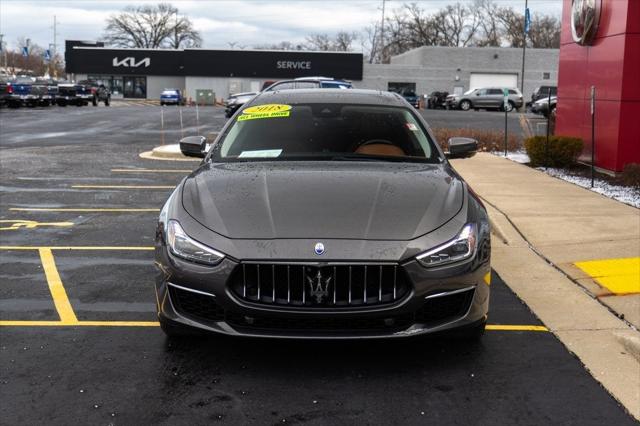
[(84, 93), (543, 92), (4, 92), (284, 232), (24, 92), (235, 101), (172, 97), (310, 83), (99, 92), (542, 106), (437, 100), (66, 94), (411, 97), (52, 90), (485, 98)]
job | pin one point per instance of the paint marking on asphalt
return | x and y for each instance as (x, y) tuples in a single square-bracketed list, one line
[(501, 327), (135, 248), (619, 276), (81, 210), (150, 171), (60, 299), (30, 224), (79, 324), (123, 186), (489, 327)]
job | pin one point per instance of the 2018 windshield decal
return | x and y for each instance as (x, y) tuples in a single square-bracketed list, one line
[(265, 111)]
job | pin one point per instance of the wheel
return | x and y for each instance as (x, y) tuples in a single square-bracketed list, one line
[(465, 105), (62, 103), (107, 101), (94, 101), (509, 107)]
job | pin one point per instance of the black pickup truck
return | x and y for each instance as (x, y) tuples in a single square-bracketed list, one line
[(93, 92)]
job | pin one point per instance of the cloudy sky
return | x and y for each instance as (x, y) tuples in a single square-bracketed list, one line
[(245, 22)]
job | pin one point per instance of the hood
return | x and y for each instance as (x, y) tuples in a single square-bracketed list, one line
[(341, 200)]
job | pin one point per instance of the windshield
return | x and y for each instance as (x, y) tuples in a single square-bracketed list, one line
[(326, 132), (169, 93), (468, 92)]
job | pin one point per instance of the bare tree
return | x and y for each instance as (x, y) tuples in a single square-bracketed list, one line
[(544, 32), (512, 24), (489, 30), (319, 42), (343, 41), (482, 23), (151, 27)]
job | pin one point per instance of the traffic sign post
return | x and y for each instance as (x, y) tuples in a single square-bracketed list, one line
[(505, 92)]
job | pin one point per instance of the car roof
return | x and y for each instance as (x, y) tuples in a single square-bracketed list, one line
[(354, 96)]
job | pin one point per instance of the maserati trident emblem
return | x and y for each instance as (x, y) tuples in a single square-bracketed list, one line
[(319, 249), (319, 287)]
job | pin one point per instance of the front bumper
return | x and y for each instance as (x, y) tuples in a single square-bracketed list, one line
[(440, 299)]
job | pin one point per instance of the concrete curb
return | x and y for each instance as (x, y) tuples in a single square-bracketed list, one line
[(607, 346), (631, 342), (167, 153)]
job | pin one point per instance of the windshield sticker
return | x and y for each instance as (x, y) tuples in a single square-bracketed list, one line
[(412, 127), (265, 111), (263, 153)]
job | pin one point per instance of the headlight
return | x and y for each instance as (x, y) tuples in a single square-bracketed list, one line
[(183, 246), (460, 248)]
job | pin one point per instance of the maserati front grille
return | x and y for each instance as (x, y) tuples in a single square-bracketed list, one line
[(330, 286)]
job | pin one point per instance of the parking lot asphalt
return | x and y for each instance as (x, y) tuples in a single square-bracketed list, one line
[(79, 343)]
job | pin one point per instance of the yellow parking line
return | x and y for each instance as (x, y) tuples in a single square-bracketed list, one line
[(60, 299), (123, 186), (135, 248), (495, 327), (150, 171), (79, 324), (490, 327), (80, 210)]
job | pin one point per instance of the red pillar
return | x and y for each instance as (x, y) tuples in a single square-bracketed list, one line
[(611, 63)]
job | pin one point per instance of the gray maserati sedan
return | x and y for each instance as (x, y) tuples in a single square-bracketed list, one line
[(324, 214)]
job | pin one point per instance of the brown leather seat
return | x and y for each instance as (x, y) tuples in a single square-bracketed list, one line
[(380, 149)]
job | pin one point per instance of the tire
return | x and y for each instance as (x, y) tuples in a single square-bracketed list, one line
[(94, 101), (465, 105), (107, 101), (62, 103), (510, 106)]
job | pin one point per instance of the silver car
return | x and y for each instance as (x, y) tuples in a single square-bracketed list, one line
[(485, 98)]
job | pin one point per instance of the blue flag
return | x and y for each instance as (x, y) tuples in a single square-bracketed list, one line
[(527, 21), (25, 51), (47, 55)]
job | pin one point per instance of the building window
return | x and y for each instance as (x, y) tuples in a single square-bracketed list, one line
[(546, 75), (401, 87)]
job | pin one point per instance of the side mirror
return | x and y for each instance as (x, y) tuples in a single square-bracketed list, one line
[(461, 147), (193, 146)]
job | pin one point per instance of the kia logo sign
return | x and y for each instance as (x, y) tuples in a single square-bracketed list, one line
[(585, 16), (130, 62)]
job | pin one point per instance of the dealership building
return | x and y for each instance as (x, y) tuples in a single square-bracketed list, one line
[(206, 74)]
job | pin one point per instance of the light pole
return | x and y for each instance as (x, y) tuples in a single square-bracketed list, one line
[(525, 30)]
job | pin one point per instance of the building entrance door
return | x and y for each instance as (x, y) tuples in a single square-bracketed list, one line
[(135, 87)]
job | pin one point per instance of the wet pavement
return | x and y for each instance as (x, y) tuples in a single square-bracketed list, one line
[(101, 359)]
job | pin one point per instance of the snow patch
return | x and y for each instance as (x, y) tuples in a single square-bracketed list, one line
[(624, 194)]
